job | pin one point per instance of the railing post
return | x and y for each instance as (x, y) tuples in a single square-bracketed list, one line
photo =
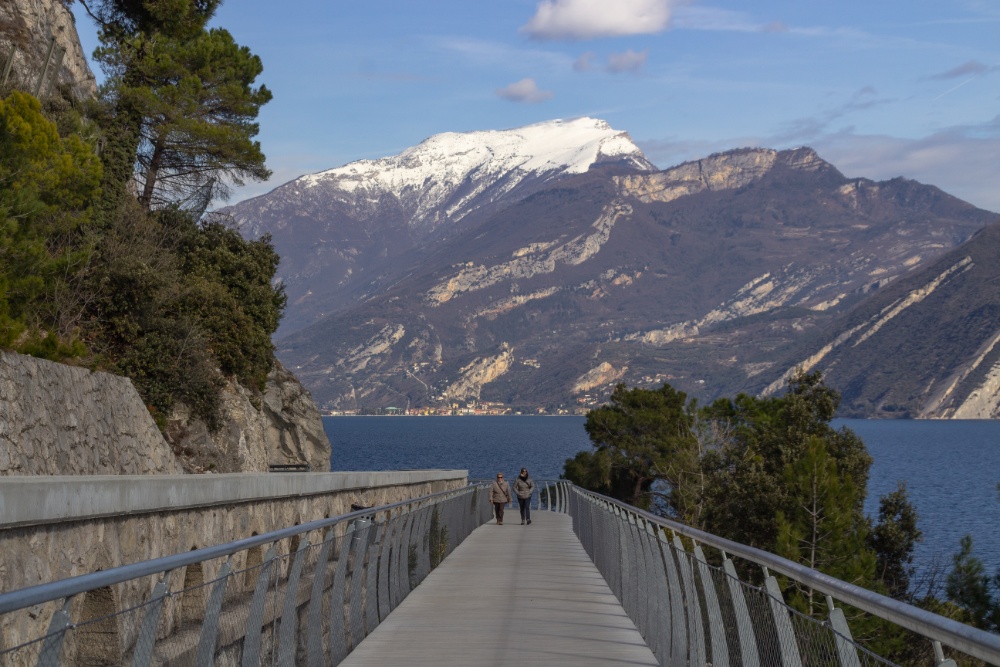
[(359, 549), (750, 657), (846, 653), (314, 641), (939, 659), (289, 613), (51, 653), (210, 628), (338, 626), (375, 555), (143, 652), (399, 544), (648, 601), (692, 607), (716, 626), (783, 624), (678, 625), (255, 619), (390, 544)]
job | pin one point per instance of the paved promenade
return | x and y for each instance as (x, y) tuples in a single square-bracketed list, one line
[(509, 595)]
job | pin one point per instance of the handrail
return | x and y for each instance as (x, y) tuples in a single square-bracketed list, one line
[(64, 588), (972, 641)]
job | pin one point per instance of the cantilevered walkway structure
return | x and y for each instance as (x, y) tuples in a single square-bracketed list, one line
[(510, 595), (434, 581)]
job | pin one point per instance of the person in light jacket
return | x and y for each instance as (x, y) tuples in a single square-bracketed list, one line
[(524, 486), (499, 496)]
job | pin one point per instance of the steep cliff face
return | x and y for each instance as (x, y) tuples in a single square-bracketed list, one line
[(60, 420), (926, 346), (27, 28), (284, 428), (722, 171)]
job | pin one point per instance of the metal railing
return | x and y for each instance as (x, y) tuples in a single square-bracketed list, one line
[(306, 595), (692, 612), (309, 594)]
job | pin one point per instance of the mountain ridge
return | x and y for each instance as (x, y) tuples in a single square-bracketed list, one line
[(706, 275)]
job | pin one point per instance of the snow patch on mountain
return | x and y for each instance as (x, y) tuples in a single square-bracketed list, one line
[(466, 164)]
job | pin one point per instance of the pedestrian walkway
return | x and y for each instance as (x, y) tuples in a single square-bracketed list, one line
[(509, 595)]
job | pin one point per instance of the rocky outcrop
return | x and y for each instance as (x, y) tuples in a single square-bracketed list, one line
[(722, 171), (293, 426), (27, 28), (602, 375), (60, 420), (479, 373), (283, 427)]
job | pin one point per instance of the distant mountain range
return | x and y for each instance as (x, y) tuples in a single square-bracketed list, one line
[(540, 266)]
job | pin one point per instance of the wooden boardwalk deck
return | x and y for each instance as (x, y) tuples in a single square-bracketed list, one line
[(509, 595)]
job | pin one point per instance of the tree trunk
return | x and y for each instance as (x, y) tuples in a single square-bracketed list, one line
[(146, 198)]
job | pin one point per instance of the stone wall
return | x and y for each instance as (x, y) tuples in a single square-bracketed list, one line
[(57, 419)]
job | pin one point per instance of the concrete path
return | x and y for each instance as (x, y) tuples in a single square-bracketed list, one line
[(509, 595)]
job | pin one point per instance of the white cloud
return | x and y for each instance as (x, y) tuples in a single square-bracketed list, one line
[(630, 61), (587, 19), (526, 91)]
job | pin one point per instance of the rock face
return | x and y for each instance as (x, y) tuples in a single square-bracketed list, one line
[(293, 426), (285, 428), (28, 27), (925, 346), (60, 420)]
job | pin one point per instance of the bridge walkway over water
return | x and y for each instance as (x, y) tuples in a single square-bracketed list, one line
[(510, 594)]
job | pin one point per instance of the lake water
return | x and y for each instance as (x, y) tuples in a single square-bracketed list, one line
[(951, 468)]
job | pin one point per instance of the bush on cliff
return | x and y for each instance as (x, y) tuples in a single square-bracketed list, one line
[(48, 186)]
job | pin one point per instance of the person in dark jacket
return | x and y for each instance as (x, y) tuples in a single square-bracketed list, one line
[(524, 486), (499, 496)]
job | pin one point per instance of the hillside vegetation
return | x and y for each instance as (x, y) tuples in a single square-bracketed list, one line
[(106, 258)]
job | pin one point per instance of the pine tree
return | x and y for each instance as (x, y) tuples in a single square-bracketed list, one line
[(180, 103)]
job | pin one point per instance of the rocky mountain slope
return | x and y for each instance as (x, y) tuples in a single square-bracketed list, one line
[(711, 275), (927, 346), (347, 233)]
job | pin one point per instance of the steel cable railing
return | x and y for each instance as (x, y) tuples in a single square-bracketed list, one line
[(692, 611), (306, 595)]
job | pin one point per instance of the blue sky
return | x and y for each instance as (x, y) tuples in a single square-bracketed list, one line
[(880, 89)]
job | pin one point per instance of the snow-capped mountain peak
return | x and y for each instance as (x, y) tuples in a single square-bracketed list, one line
[(428, 176)]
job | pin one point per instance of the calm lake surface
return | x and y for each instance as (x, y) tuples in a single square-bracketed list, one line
[(951, 468)]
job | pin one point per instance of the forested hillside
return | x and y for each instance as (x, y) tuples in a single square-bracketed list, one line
[(106, 258)]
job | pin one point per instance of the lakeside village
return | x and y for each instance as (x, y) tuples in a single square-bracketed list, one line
[(470, 409), (474, 408)]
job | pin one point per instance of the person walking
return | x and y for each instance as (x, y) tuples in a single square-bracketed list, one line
[(499, 496), (524, 486)]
